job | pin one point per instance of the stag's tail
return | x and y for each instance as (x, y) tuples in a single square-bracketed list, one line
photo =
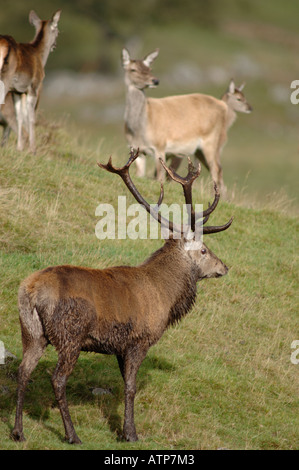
[(31, 325)]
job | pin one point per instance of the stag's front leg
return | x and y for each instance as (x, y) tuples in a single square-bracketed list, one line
[(131, 362)]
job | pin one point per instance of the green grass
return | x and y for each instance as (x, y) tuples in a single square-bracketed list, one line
[(222, 378)]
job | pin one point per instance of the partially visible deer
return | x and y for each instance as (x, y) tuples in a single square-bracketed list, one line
[(178, 125), (121, 310), (22, 71)]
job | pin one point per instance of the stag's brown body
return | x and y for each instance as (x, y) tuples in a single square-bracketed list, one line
[(113, 307), (120, 310)]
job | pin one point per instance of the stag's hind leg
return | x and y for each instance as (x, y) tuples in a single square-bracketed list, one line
[(34, 343), (68, 329)]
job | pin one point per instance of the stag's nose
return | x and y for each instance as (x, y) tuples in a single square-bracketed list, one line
[(155, 81), (222, 271)]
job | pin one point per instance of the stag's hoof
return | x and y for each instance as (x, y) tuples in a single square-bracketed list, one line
[(73, 439), (17, 436), (130, 436)]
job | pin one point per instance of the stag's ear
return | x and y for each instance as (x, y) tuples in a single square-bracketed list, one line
[(55, 19), (149, 59), (191, 244), (34, 19), (125, 57)]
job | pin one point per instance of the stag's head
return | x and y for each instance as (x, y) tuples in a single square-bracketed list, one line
[(138, 72), (188, 237), (206, 263)]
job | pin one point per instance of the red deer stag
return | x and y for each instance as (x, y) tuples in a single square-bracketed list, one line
[(121, 310), (177, 125), (22, 72)]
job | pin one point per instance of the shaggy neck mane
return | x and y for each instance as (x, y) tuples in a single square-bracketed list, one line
[(184, 302), (177, 275)]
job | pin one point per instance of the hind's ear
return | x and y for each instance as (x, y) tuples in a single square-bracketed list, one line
[(125, 57), (148, 59), (240, 88), (34, 19), (56, 18), (231, 87)]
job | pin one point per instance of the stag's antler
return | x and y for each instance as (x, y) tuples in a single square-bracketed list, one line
[(186, 182), (125, 175)]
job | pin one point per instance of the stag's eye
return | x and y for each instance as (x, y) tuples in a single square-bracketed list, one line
[(203, 251)]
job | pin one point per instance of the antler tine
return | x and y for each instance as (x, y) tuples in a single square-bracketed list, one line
[(210, 208), (161, 197), (193, 173), (206, 214), (112, 169), (213, 206), (206, 217), (217, 228), (186, 182)]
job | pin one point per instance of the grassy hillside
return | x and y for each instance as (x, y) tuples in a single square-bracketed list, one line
[(222, 378)]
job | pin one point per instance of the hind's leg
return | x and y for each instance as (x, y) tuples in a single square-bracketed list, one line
[(175, 163), (32, 351)]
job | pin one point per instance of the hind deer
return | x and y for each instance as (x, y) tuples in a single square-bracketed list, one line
[(177, 125), (121, 310), (22, 73)]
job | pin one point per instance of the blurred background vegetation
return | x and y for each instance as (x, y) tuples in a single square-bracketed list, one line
[(202, 45)]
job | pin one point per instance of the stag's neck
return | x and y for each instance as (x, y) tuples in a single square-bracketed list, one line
[(135, 112), (42, 44), (231, 113), (175, 277)]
